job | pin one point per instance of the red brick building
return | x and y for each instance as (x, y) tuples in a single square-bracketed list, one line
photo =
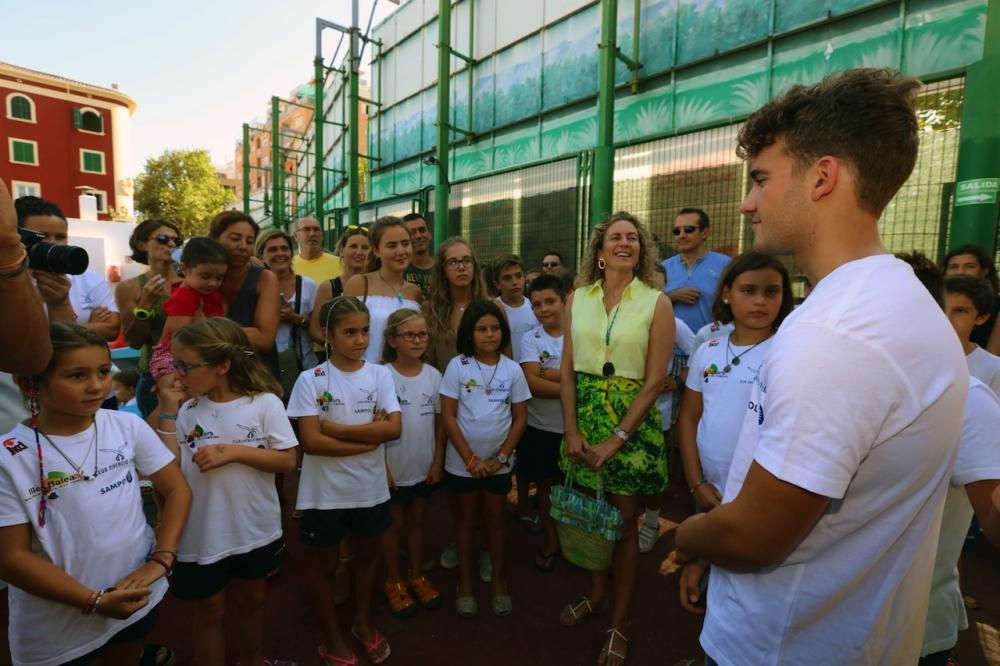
[(61, 138)]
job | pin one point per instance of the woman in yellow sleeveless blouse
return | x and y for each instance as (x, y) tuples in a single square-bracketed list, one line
[(618, 341)]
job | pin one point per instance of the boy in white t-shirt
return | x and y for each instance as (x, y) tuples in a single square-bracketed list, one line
[(508, 278), (852, 481), (541, 355), (968, 303)]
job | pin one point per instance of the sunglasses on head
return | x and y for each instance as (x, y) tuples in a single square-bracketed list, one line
[(164, 239), (687, 228), (356, 227)]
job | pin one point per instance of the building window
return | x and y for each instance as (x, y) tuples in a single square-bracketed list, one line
[(91, 161), (20, 107), (88, 120), (23, 151), (20, 188), (101, 196)]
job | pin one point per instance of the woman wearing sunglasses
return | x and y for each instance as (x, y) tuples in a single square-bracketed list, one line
[(140, 299)]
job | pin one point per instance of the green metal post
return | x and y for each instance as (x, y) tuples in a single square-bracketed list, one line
[(318, 118), (246, 169), (443, 114), (352, 123), (602, 188), (976, 193), (277, 207)]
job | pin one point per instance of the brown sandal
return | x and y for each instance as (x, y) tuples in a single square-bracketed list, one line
[(574, 614), (615, 648)]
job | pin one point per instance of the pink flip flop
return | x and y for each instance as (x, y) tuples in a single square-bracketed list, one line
[(378, 650)]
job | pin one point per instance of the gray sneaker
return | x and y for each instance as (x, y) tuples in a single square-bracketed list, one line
[(485, 567), (449, 556), (647, 538)]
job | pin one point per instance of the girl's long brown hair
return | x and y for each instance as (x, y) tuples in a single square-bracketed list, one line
[(218, 340)]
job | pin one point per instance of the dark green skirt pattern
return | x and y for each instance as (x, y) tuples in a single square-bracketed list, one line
[(640, 466)]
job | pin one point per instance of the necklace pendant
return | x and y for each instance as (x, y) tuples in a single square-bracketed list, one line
[(736, 360), (608, 370), (489, 391), (727, 368), (399, 298)]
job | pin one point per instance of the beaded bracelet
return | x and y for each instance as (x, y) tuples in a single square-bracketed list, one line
[(88, 607)]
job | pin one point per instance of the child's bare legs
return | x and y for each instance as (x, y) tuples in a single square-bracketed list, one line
[(248, 597), (390, 543), (465, 524), (415, 533), (496, 538), (324, 561), (366, 551), (210, 630)]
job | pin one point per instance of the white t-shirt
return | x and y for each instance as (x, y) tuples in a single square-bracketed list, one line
[(234, 507), (88, 291), (521, 320), (484, 400), (12, 409), (94, 529), (284, 338), (410, 457), (724, 398), (683, 345), (854, 406), (351, 398), (380, 308), (537, 346), (978, 460), (985, 367), (711, 330)]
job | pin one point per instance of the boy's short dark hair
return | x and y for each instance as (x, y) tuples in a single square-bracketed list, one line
[(543, 282), (703, 221), (503, 263), (127, 377), (476, 310), (976, 290), (410, 217), (203, 250), (927, 272), (554, 253), (30, 206), (983, 257), (863, 116)]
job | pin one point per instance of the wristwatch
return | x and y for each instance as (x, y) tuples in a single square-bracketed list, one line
[(142, 314), (621, 434), (502, 458)]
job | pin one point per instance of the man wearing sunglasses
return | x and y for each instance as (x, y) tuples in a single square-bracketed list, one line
[(693, 273), (86, 299), (312, 261)]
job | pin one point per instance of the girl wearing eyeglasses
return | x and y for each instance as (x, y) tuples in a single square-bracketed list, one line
[(415, 460), (233, 437), (456, 282), (140, 299)]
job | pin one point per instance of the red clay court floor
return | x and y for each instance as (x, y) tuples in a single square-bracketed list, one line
[(661, 632)]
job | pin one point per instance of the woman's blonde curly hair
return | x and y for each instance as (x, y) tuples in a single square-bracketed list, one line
[(648, 270)]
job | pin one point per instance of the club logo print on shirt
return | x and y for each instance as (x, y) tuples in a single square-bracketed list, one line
[(325, 399), (544, 356), (193, 436), (117, 484), (711, 371), (118, 453), (14, 446), (319, 372), (471, 384), (253, 436), (426, 404)]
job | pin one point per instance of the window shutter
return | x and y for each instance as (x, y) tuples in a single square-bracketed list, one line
[(77, 118)]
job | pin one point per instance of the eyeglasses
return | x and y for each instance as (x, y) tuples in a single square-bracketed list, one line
[(687, 228), (410, 336), (164, 239), (183, 368), (550, 264), (453, 263)]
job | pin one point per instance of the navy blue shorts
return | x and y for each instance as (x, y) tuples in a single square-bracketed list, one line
[(538, 456), (406, 494), (328, 527), (130, 634), (495, 484), (193, 581)]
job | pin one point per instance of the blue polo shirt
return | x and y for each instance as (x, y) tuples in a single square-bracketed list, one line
[(703, 276)]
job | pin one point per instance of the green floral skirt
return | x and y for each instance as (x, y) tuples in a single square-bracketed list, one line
[(640, 466)]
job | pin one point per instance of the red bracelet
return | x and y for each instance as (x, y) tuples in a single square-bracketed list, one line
[(88, 607), (166, 567), (473, 461)]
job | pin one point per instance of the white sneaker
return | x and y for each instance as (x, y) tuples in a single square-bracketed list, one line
[(647, 537), (485, 567), (449, 556)]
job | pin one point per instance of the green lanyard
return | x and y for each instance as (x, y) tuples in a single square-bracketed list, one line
[(609, 368)]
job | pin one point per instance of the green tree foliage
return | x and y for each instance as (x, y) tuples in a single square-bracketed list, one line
[(181, 186)]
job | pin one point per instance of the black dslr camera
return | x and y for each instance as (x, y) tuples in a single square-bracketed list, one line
[(42, 256)]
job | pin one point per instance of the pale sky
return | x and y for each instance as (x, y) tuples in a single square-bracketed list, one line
[(197, 69)]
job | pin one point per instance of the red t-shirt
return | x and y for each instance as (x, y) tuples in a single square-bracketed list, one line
[(183, 302)]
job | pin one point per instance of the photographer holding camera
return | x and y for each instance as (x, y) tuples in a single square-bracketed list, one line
[(83, 297)]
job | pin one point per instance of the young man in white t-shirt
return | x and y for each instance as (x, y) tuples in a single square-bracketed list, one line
[(968, 301), (851, 428), (508, 278)]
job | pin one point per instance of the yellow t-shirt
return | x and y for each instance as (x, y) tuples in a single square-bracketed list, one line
[(320, 270), (626, 328)]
